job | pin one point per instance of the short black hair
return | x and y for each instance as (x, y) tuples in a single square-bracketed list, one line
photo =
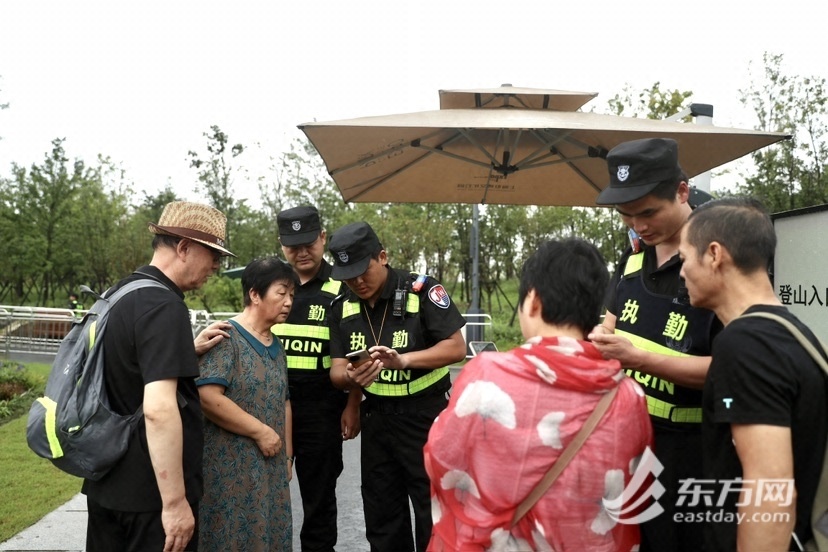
[(741, 224), (570, 277), (164, 240), (668, 188), (260, 274)]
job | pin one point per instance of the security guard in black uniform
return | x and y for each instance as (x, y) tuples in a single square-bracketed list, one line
[(323, 416), (411, 328), (650, 327)]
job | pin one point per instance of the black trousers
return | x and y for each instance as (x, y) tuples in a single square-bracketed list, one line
[(109, 530), (681, 454), (317, 445), (393, 471)]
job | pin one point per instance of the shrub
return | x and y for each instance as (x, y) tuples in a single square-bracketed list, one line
[(17, 390)]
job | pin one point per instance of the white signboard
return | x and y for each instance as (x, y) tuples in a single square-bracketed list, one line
[(800, 268)]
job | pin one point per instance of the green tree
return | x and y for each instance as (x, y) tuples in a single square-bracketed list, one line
[(217, 173), (298, 177), (790, 174), (101, 227), (650, 103), (41, 206)]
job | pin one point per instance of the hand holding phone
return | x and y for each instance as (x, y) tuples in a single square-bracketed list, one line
[(358, 357)]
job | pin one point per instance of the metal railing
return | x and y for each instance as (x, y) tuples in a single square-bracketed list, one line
[(35, 333)]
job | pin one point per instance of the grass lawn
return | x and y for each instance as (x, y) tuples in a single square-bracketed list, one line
[(30, 486)]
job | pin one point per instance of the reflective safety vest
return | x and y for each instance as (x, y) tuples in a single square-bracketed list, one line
[(305, 335), (662, 324), (404, 334)]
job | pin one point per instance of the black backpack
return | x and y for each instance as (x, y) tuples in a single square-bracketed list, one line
[(72, 425)]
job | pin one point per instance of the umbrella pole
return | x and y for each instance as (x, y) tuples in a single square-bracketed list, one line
[(474, 331)]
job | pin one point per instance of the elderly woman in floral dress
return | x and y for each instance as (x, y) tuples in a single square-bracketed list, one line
[(247, 439)]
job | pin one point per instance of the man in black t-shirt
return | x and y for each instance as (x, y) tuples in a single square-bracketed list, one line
[(765, 420), (149, 500)]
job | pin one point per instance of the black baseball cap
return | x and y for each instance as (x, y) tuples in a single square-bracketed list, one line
[(298, 226), (351, 247), (637, 167)]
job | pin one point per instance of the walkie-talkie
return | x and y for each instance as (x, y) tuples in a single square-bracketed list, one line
[(400, 295)]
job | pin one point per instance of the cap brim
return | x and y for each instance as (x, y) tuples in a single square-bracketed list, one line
[(617, 196), (352, 270), (304, 238)]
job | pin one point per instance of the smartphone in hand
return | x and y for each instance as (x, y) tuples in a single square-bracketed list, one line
[(358, 357)]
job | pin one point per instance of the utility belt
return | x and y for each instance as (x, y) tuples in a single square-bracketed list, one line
[(434, 378), (672, 413), (434, 398)]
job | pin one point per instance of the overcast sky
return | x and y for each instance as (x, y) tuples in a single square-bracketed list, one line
[(142, 81)]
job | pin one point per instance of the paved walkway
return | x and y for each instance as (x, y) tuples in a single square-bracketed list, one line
[(64, 530)]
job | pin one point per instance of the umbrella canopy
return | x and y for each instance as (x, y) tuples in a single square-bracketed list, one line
[(514, 97), (503, 156)]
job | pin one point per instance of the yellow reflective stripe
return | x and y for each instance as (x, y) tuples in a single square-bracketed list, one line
[(332, 286), (391, 390), (350, 308), (306, 363), (662, 409), (51, 426), (634, 263), (647, 345), (92, 327), (301, 330), (413, 303)]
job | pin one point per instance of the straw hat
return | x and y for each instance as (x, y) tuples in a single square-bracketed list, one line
[(193, 221)]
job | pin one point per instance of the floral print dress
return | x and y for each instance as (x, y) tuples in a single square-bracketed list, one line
[(246, 503)]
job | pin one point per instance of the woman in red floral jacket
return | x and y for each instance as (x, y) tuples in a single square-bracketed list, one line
[(512, 414)]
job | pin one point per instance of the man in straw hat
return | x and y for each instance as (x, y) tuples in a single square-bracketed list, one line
[(149, 501)]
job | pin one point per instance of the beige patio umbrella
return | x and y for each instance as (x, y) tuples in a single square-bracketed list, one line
[(503, 156), (514, 97)]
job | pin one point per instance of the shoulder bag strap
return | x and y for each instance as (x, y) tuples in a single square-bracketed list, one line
[(566, 456), (804, 341)]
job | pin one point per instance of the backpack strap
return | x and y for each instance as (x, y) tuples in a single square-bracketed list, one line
[(819, 512), (112, 298), (566, 456)]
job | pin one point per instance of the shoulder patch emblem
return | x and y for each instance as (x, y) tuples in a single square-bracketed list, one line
[(439, 296)]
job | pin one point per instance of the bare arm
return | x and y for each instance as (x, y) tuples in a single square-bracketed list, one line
[(766, 454), (445, 352), (226, 414), (689, 371), (165, 440)]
